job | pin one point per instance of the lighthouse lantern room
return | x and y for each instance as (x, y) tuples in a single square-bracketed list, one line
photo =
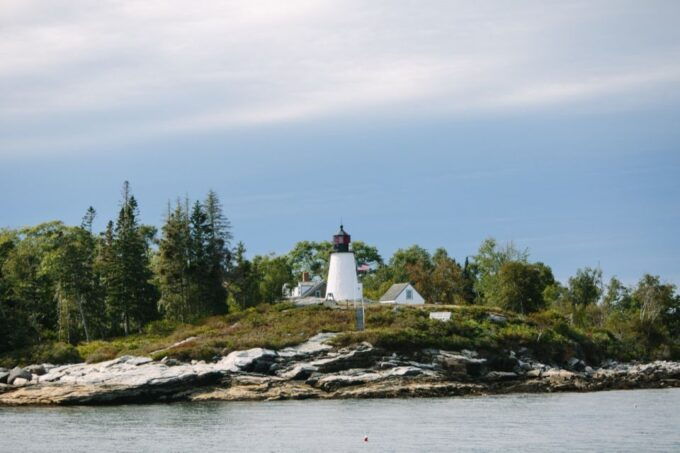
[(343, 283)]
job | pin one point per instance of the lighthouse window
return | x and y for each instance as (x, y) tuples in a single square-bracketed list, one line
[(409, 294)]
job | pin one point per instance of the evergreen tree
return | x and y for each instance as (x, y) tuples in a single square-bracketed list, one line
[(132, 299), (468, 282), (243, 280), (217, 253), (193, 260), (200, 268), (173, 265), (106, 266)]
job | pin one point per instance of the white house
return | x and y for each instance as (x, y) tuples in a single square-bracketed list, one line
[(402, 293)]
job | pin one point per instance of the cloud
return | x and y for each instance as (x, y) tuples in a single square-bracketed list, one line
[(80, 73)]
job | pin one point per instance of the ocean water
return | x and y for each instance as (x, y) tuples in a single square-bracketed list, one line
[(635, 421)]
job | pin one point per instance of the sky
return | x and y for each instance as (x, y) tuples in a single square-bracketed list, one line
[(552, 124)]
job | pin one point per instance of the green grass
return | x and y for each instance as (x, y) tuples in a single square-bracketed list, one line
[(547, 334)]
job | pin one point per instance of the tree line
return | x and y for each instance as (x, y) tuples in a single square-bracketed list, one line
[(70, 284)]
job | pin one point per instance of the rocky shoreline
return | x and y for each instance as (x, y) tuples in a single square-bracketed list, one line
[(316, 370)]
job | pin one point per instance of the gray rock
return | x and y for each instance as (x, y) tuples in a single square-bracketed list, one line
[(345, 378), (36, 369), (535, 373), (576, 364), (461, 364), (300, 371), (403, 371), (498, 319), (557, 374), (313, 346), (500, 376), (20, 382), (3, 377), (256, 359), (169, 361), (18, 373), (502, 363), (523, 367), (363, 356), (386, 364)]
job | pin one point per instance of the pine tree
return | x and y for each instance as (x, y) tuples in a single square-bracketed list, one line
[(107, 268), (193, 259), (132, 298), (218, 256), (243, 280), (173, 265)]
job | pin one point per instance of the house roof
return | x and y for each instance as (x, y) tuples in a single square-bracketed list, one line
[(320, 286), (394, 291)]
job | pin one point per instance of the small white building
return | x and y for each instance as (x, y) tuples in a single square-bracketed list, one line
[(402, 293)]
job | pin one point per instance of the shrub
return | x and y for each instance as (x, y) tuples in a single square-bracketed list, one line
[(57, 353), (161, 327), (102, 354)]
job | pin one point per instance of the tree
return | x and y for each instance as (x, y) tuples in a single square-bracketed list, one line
[(585, 287), (447, 283), (366, 254), (616, 296), (520, 286), (69, 261), (217, 253), (273, 273), (488, 262), (28, 289), (414, 265), (172, 265), (243, 281), (468, 281), (17, 321), (131, 297), (193, 258), (658, 305), (310, 256)]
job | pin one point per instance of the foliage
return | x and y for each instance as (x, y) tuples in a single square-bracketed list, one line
[(488, 262), (585, 287), (130, 296), (314, 257), (192, 261), (68, 294), (520, 286)]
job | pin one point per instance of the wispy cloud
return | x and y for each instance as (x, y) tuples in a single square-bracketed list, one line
[(79, 73)]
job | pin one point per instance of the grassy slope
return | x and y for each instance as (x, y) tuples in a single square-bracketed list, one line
[(547, 334)]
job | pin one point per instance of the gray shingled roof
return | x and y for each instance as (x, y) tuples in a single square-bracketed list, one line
[(320, 286), (394, 291)]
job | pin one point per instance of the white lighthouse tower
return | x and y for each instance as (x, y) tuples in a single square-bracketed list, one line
[(343, 283)]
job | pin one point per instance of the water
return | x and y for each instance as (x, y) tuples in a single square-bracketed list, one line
[(639, 420)]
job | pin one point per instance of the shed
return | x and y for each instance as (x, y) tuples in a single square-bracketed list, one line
[(402, 293)]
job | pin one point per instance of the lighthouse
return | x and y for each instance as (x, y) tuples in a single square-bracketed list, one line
[(343, 283)]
